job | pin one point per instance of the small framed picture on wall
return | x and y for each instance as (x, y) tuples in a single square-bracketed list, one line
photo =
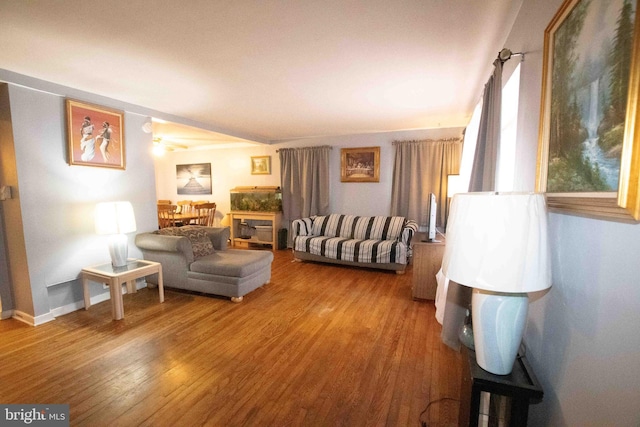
[(360, 164), (261, 165)]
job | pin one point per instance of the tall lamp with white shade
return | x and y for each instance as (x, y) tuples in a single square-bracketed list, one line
[(115, 219), (497, 244)]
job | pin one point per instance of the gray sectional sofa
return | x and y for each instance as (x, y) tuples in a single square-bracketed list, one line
[(196, 258), (366, 241)]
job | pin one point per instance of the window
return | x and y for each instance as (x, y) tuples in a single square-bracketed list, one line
[(509, 122)]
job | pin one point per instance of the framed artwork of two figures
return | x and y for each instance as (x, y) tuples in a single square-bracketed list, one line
[(95, 135)]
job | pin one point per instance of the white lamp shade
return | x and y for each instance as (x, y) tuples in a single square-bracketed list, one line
[(454, 185), (498, 242), (114, 218)]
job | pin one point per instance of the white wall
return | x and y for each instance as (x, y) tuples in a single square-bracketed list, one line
[(57, 200), (581, 335), (231, 168)]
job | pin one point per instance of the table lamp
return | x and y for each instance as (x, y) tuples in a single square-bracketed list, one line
[(497, 244), (115, 219)]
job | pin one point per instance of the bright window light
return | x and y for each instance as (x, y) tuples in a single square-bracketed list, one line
[(469, 147), (509, 119)]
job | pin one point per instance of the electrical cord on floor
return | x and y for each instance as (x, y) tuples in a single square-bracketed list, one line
[(442, 399)]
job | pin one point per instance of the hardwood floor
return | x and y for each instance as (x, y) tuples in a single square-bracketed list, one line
[(320, 345)]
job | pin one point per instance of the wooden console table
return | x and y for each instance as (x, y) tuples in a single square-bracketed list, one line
[(236, 217), (519, 388), (427, 259)]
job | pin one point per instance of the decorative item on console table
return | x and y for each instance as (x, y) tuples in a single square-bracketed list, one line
[(497, 244)]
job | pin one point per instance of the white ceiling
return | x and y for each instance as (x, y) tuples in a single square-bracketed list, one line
[(272, 70)]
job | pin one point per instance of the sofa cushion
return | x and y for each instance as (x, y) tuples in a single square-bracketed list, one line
[(379, 228), (232, 262), (197, 235), (354, 250), (358, 227)]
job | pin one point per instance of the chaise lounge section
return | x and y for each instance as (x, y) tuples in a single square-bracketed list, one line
[(196, 258), (381, 242)]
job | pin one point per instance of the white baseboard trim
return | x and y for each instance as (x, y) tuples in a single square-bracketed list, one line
[(79, 305), (33, 321), (60, 311), (69, 308)]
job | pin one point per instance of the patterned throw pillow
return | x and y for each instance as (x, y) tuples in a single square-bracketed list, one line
[(197, 234)]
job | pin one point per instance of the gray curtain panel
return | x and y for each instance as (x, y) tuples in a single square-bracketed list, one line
[(485, 160), (483, 178), (420, 168), (304, 174)]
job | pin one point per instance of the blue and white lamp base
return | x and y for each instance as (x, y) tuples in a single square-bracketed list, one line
[(118, 249), (498, 325)]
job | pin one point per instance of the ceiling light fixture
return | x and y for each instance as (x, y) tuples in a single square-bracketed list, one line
[(160, 146)]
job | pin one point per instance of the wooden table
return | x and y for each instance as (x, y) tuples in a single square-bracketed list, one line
[(427, 259), (115, 277), (186, 218)]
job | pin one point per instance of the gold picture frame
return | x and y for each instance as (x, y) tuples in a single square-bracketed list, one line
[(95, 135), (360, 164), (577, 171), (260, 165)]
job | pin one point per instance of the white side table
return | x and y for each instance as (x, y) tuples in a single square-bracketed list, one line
[(115, 277)]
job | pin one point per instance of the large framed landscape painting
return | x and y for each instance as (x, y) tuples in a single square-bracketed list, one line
[(95, 135), (588, 152)]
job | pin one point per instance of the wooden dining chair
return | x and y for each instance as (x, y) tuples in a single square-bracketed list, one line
[(167, 215), (164, 202), (205, 214), (184, 206)]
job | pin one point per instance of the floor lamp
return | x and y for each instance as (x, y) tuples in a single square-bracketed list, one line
[(497, 244)]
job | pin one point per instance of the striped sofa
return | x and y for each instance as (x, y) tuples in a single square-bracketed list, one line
[(366, 241)]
